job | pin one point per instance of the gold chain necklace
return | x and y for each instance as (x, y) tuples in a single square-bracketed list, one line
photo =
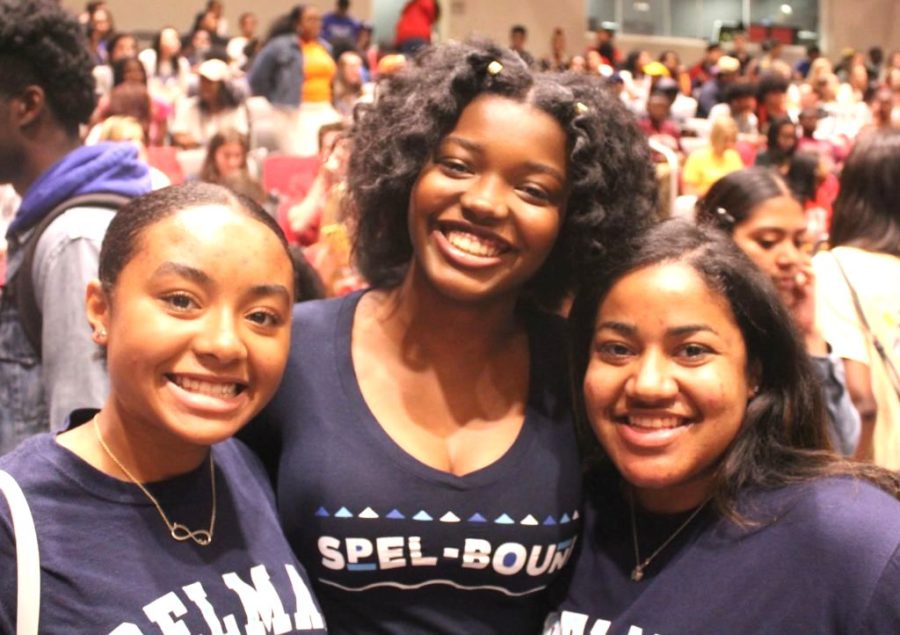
[(179, 532), (637, 574)]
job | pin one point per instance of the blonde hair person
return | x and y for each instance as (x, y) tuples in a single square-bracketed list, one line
[(125, 128), (707, 165)]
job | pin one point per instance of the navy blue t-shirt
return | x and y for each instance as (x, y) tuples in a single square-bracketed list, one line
[(823, 558), (109, 565), (393, 545)]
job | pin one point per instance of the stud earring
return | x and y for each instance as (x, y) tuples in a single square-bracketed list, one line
[(101, 333)]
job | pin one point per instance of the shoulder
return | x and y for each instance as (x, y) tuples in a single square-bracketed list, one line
[(241, 465), (320, 314), (77, 223), (732, 156), (31, 464), (847, 517)]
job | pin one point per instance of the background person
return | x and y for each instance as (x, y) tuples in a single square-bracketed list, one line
[(756, 208), (865, 241), (46, 93), (705, 166)]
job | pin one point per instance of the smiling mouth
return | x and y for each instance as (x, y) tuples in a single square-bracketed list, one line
[(654, 422), (220, 390), (474, 243)]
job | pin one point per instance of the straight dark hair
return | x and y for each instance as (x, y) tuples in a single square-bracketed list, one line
[(782, 439)]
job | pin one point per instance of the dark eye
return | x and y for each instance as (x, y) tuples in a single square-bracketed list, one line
[(694, 352), (264, 318), (454, 166), (766, 243), (535, 192), (180, 301), (613, 351)]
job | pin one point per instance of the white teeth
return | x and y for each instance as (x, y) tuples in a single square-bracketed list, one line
[(222, 391), (474, 245), (655, 423)]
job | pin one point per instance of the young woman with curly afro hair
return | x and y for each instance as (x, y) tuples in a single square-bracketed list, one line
[(421, 441)]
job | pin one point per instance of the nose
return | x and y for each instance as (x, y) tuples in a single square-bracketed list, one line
[(485, 199), (652, 380), (790, 255), (220, 338)]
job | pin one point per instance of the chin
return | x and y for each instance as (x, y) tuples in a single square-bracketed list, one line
[(204, 431)]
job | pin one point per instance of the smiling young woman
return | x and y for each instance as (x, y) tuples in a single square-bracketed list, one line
[(709, 490), (147, 511), (427, 471)]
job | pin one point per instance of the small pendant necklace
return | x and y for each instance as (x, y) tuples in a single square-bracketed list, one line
[(637, 574), (179, 532)]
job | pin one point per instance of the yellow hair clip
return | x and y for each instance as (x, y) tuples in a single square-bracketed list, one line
[(494, 68), (580, 108)]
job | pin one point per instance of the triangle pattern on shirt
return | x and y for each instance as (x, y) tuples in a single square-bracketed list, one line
[(322, 513), (504, 519), (477, 518), (368, 512), (395, 515), (529, 520), (422, 515), (449, 517), (343, 512)]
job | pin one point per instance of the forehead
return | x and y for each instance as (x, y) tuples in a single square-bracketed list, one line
[(214, 235), (668, 295), (231, 146), (538, 136), (780, 211)]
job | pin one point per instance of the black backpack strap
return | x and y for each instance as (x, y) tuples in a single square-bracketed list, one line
[(22, 284)]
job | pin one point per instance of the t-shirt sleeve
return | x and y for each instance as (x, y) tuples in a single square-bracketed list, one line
[(835, 312), (883, 613)]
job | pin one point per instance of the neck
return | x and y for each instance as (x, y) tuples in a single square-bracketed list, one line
[(47, 144), (676, 499), (460, 329), (145, 449)]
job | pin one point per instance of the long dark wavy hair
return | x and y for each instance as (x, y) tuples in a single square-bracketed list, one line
[(782, 439), (867, 209), (610, 179)]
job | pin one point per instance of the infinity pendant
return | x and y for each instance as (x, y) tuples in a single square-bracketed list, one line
[(181, 533)]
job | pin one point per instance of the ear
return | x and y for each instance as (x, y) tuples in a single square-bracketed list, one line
[(754, 377), (97, 308), (28, 105)]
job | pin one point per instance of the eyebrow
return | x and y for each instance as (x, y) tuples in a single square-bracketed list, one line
[(680, 331), (531, 165), (170, 268), (271, 289), (200, 277)]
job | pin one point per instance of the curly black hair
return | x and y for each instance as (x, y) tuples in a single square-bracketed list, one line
[(611, 182), (41, 44)]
